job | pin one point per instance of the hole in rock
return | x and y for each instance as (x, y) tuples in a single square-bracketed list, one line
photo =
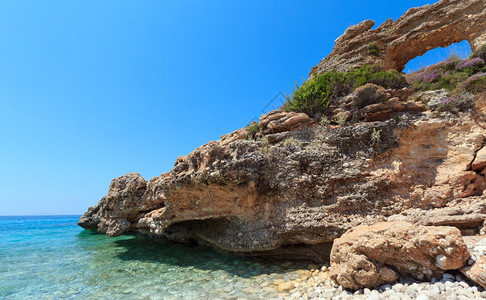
[(461, 50)]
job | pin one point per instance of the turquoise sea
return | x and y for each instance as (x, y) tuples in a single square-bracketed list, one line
[(50, 257)]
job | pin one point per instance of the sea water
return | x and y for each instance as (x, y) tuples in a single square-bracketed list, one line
[(50, 257)]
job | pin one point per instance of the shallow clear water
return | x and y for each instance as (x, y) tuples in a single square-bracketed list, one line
[(53, 258)]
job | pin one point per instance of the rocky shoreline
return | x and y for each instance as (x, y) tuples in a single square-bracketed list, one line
[(448, 287), (385, 181), (316, 283)]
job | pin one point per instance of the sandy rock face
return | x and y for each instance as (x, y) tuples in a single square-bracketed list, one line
[(414, 33), (367, 256)]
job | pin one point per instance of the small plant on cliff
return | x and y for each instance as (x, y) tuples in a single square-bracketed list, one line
[(291, 142), (253, 128), (324, 121), (340, 119), (288, 142), (373, 49), (375, 136), (265, 144)]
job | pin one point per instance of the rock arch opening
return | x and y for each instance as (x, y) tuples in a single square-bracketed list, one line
[(396, 42), (433, 56)]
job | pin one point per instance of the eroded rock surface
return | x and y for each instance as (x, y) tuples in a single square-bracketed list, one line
[(413, 34), (371, 103), (281, 121), (367, 256), (299, 190)]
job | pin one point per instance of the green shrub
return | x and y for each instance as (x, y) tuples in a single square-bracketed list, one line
[(391, 79), (315, 95), (373, 49), (253, 128)]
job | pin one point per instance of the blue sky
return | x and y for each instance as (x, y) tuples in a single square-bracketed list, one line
[(91, 90)]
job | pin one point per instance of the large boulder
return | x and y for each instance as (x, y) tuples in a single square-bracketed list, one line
[(367, 256)]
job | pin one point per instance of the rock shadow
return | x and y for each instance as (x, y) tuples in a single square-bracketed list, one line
[(147, 249)]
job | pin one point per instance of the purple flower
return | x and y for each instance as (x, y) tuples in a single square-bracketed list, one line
[(448, 100), (448, 64), (472, 79), (432, 76), (474, 62)]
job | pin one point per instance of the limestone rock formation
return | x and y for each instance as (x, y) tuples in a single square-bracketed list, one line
[(371, 103), (413, 34), (367, 256), (280, 121), (299, 190), (117, 213)]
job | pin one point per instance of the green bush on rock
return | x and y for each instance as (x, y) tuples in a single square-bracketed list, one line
[(316, 94), (373, 49)]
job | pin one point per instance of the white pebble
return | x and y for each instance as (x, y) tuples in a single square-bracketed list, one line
[(441, 261), (374, 296), (313, 294), (422, 297), (433, 290), (398, 287)]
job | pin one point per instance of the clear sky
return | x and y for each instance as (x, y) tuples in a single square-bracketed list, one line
[(91, 90)]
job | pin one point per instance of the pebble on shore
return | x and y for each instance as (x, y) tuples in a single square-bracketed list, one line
[(314, 283)]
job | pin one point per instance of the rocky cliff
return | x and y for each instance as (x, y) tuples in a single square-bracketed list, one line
[(304, 188), (419, 30), (292, 185)]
